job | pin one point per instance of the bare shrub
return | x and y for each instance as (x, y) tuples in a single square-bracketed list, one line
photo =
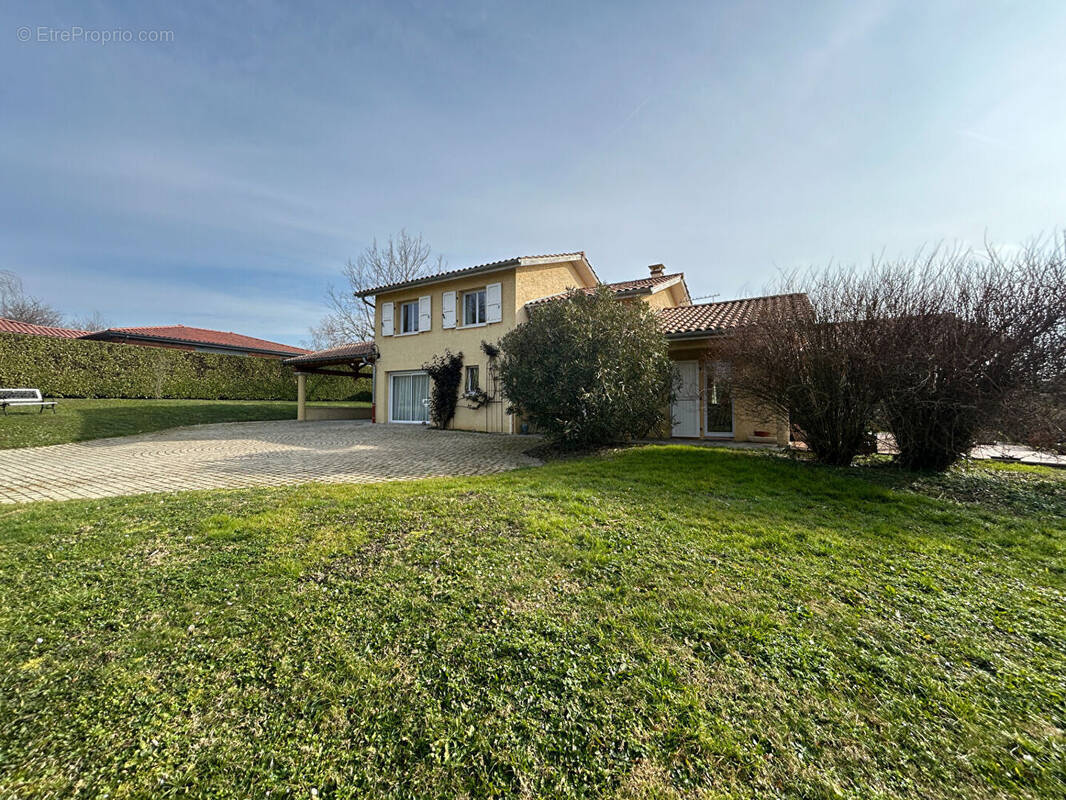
[(815, 361), (964, 334), (936, 348)]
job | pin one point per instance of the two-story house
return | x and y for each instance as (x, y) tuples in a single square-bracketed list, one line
[(459, 309)]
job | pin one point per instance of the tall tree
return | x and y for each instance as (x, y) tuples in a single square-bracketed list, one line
[(17, 305), (351, 319)]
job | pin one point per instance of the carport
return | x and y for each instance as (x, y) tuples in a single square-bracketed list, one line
[(349, 360)]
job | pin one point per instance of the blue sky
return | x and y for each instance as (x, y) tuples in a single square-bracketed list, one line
[(221, 179)]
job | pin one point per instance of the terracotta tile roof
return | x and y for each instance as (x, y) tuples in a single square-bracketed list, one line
[(492, 265), (14, 326), (344, 353), (716, 317), (622, 288), (200, 336)]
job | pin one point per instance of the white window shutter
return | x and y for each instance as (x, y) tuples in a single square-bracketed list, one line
[(425, 313), (448, 308), (387, 326), (494, 302)]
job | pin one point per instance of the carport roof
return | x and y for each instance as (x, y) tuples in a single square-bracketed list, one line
[(355, 355), (356, 352)]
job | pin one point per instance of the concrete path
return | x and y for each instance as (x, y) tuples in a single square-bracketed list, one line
[(242, 454)]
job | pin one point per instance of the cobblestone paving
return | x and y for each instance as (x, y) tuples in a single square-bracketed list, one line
[(241, 454)]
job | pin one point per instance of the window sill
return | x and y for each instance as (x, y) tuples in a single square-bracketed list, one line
[(409, 333), (475, 325)]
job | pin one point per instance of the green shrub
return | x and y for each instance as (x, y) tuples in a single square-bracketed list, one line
[(589, 370), (77, 368)]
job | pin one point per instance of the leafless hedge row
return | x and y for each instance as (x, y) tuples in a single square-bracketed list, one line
[(940, 350)]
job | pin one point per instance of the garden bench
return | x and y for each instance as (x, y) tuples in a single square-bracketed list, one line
[(24, 397)]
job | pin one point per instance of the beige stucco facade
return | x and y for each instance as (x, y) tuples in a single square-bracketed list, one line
[(402, 355), (671, 297)]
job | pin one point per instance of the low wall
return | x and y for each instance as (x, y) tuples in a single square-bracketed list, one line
[(321, 413)]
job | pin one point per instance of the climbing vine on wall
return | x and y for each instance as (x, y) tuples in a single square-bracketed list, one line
[(446, 372)]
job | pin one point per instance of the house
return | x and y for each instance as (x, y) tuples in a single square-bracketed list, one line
[(460, 309), (201, 340), (179, 337)]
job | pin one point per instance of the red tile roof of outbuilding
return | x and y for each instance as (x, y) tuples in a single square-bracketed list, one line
[(202, 336), (14, 326)]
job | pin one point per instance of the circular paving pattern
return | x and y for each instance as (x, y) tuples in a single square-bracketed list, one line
[(240, 454)]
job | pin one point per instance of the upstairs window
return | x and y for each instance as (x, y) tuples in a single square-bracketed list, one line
[(409, 317), (474, 307)]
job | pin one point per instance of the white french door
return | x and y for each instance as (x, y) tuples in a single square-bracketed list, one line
[(685, 409), (408, 397)]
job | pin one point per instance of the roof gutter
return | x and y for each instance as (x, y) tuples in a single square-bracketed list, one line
[(706, 333)]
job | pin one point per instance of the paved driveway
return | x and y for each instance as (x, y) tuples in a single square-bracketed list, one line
[(252, 454)]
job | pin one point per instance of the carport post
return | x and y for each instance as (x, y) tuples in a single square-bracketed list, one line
[(301, 396)]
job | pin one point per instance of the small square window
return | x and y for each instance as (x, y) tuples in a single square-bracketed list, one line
[(473, 381), (474, 307), (409, 317)]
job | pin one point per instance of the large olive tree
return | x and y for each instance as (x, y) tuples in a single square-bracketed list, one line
[(588, 370)]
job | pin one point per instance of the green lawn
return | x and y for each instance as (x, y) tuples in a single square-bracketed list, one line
[(78, 420), (661, 622)]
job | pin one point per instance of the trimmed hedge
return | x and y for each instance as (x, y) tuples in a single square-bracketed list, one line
[(77, 368)]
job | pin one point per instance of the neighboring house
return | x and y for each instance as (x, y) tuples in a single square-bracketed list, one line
[(201, 340), (459, 309), (25, 328), (179, 337)]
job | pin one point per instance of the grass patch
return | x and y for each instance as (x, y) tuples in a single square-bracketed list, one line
[(658, 622), (78, 420)]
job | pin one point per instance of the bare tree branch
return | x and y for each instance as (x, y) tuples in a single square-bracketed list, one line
[(351, 319), (17, 305), (95, 321)]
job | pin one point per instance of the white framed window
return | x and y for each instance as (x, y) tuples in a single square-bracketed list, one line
[(474, 312), (409, 317), (409, 396), (473, 379)]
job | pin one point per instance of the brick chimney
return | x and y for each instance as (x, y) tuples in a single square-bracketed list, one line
[(656, 270)]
